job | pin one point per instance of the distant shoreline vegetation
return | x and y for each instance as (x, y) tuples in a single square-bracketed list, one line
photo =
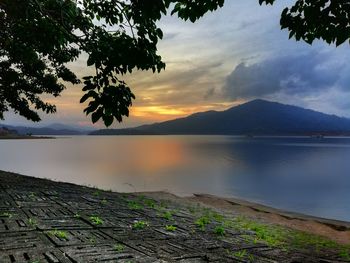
[(23, 137), (4, 131), (8, 134)]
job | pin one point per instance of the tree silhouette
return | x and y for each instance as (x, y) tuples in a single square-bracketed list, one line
[(39, 37), (307, 20)]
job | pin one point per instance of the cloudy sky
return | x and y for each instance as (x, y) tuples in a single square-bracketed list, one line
[(233, 55)]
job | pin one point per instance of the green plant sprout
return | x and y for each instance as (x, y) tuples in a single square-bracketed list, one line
[(32, 222), (58, 233), (202, 222), (134, 205), (140, 225), (240, 254), (150, 203), (77, 215), (170, 228), (96, 193), (167, 215), (96, 220), (119, 248), (219, 230), (6, 214)]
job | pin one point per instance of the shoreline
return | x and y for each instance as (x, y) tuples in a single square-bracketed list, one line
[(75, 223), (336, 230), (25, 137)]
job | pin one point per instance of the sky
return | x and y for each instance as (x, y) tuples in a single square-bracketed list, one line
[(233, 55)]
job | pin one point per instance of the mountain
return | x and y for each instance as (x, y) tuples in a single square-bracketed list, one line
[(60, 126), (257, 117), (48, 130)]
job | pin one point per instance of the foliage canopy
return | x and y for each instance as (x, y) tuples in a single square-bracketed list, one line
[(39, 37), (308, 20)]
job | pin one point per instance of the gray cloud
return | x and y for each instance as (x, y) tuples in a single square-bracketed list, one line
[(209, 94), (170, 36), (308, 73), (245, 24)]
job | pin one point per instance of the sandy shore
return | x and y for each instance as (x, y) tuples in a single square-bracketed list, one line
[(335, 230)]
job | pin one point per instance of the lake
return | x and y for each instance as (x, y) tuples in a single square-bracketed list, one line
[(306, 175)]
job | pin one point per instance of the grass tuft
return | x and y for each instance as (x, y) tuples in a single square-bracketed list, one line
[(96, 220), (6, 214), (167, 215), (134, 205), (202, 222), (58, 233), (32, 222), (119, 248), (219, 230), (140, 225), (170, 228)]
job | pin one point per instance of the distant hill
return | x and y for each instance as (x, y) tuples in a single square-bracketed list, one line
[(257, 117), (60, 126), (4, 131), (58, 130)]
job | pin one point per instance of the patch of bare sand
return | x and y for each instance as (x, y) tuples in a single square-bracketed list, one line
[(338, 231)]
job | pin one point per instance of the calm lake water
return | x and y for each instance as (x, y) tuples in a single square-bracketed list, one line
[(306, 175)]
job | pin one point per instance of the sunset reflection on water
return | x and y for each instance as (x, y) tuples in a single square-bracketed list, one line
[(296, 174)]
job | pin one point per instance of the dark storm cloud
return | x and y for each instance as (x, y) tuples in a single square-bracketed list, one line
[(291, 74)]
